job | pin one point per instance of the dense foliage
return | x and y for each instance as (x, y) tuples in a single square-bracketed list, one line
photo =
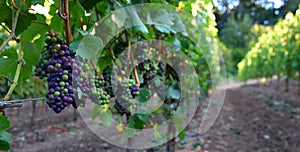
[(25, 52), (276, 52)]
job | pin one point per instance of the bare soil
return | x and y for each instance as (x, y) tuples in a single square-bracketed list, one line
[(257, 117)]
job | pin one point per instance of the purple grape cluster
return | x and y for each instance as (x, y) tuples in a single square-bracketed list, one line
[(82, 80), (149, 69), (121, 110), (59, 71), (126, 91)]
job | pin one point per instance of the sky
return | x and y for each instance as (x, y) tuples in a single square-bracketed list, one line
[(233, 3)]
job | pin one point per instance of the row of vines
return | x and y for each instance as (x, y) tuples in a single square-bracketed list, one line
[(40, 40), (276, 53)]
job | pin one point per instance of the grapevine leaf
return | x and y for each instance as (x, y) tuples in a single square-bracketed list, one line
[(31, 57), (5, 11), (95, 112), (143, 117), (8, 62), (131, 132), (135, 122), (35, 32), (144, 95), (4, 123), (135, 21), (181, 135), (89, 46), (5, 136), (106, 118), (57, 24), (53, 7), (104, 61), (28, 3), (23, 23), (4, 145), (103, 7), (88, 4), (76, 11), (74, 45), (173, 91)]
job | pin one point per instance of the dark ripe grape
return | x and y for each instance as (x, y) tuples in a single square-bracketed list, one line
[(67, 65)]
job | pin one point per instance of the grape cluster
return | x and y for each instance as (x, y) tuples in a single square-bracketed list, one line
[(126, 91), (121, 110), (46, 54), (148, 67), (100, 92), (58, 69), (107, 77), (82, 80)]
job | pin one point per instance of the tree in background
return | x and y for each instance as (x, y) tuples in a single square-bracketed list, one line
[(235, 19)]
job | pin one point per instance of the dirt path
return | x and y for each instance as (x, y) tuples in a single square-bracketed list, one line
[(253, 118)]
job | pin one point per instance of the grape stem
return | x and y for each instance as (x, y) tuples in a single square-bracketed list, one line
[(94, 66), (97, 13), (7, 78), (20, 58), (12, 33), (14, 4), (66, 17), (130, 54)]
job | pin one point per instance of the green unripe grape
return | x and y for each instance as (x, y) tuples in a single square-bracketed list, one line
[(54, 39), (56, 93), (47, 38), (65, 72), (57, 65), (57, 46), (65, 77), (66, 90), (81, 75), (62, 84)]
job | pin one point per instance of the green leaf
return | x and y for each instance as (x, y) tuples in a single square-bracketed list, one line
[(181, 135), (144, 95), (89, 46), (36, 31), (31, 57), (88, 4), (5, 136), (106, 118), (96, 111), (57, 24), (74, 45), (173, 91), (76, 11), (131, 132), (4, 145), (137, 122), (143, 117), (4, 123), (135, 21), (23, 23), (5, 11), (104, 61), (8, 62)]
